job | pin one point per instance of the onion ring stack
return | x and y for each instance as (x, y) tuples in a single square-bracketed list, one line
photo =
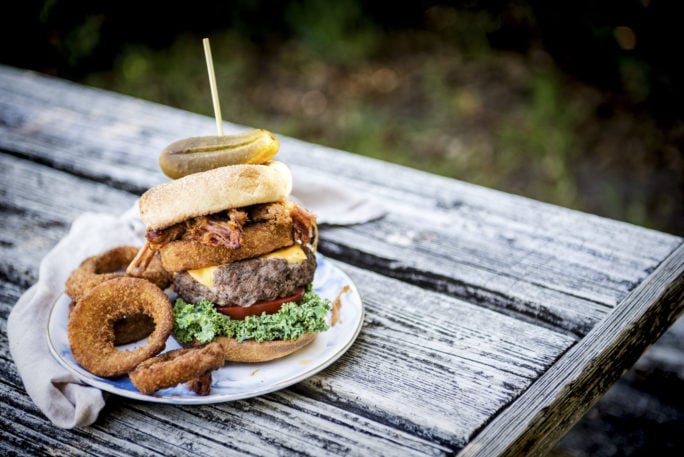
[(109, 265), (110, 308)]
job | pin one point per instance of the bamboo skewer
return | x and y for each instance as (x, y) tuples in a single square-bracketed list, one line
[(212, 84)]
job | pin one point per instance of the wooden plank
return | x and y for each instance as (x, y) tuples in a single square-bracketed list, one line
[(38, 206), (480, 206), (26, 432), (430, 264), (434, 366), (571, 386), (572, 252), (298, 424), (9, 294), (89, 132)]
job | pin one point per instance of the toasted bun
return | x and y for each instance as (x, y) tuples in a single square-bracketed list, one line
[(251, 351), (212, 191), (257, 239)]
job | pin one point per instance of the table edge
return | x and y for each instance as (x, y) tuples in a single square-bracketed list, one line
[(539, 418)]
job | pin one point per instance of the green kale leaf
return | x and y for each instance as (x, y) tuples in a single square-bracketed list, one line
[(201, 321)]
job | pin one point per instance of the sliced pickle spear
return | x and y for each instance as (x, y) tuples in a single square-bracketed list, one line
[(196, 154)]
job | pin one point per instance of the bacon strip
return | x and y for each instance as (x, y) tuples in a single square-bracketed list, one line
[(166, 235), (142, 259), (305, 227)]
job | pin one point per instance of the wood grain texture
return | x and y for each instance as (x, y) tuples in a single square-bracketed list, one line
[(492, 321), (556, 401), (38, 208), (433, 365)]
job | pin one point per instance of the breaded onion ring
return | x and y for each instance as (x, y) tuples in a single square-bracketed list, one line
[(91, 325), (109, 265), (201, 385), (175, 367)]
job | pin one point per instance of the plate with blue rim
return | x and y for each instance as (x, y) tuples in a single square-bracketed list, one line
[(236, 381)]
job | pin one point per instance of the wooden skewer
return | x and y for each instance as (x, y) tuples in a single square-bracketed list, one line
[(212, 84)]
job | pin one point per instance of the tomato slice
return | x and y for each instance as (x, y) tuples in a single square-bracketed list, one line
[(268, 307)]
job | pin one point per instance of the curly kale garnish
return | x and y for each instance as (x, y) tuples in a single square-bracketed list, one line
[(201, 321)]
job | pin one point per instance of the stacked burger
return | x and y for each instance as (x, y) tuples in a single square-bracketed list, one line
[(242, 257)]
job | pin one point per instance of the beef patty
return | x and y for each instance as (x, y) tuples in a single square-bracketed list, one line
[(246, 282)]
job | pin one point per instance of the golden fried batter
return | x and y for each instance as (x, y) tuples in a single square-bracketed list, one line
[(201, 385), (175, 367), (91, 325), (258, 238), (109, 265)]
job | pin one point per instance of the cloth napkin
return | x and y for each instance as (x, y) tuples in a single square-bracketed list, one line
[(332, 204), (60, 395)]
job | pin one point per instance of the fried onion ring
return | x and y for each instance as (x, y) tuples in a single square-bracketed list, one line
[(175, 367), (109, 265), (91, 325), (201, 385)]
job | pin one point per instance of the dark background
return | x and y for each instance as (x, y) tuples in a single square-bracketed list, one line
[(578, 34), (578, 103)]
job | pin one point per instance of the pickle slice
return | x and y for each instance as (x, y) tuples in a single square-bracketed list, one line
[(196, 154)]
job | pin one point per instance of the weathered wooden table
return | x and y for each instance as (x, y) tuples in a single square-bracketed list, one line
[(493, 322)]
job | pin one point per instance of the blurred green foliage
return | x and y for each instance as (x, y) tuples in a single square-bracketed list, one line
[(540, 100)]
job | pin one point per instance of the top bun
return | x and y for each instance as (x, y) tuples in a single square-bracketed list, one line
[(212, 191)]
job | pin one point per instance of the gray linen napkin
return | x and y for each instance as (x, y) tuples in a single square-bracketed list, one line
[(60, 395), (331, 203)]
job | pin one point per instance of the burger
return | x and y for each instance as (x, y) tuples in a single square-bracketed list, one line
[(243, 259)]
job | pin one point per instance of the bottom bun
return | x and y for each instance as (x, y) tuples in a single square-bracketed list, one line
[(251, 351)]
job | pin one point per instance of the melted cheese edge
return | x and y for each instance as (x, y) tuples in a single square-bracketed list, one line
[(292, 254)]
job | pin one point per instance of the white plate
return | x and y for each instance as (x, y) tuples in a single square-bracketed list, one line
[(236, 380)]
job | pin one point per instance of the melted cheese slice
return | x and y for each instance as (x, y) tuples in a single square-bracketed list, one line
[(292, 254), (204, 276)]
